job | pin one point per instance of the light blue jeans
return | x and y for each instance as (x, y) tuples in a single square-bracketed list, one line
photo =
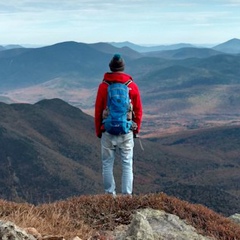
[(125, 144)]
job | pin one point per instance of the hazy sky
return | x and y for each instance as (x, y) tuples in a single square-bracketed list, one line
[(46, 22)]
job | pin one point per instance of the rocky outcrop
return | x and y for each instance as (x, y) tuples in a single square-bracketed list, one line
[(235, 217), (152, 224), (9, 230), (147, 224)]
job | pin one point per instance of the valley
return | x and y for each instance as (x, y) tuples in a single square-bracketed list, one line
[(49, 151)]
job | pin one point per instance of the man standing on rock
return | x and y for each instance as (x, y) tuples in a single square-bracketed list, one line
[(118, 116)]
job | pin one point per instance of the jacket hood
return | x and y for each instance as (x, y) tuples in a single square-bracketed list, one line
[(119, 77)]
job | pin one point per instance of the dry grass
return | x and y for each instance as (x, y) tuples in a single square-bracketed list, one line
[(88, 216)]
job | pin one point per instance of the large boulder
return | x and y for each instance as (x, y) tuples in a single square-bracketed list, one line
[(152, 224)]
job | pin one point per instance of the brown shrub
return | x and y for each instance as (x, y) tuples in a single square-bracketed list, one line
[(84, 216)]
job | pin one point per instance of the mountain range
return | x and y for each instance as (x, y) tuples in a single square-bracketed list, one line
[(188, 87), (49, 151)]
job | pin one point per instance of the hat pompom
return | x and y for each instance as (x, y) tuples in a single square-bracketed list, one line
[(117, 63)]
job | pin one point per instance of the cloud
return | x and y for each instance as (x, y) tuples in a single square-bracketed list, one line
[(107, 20), (234, 2)]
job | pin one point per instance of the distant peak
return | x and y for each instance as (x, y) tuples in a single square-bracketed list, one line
[(53, 100), (234, 40)]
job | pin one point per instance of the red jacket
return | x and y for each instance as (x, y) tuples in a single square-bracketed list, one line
[(101, 99)]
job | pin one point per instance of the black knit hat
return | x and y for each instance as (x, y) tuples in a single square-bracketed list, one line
[(117, 63)]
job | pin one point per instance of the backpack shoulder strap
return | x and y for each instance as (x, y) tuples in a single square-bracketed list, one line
[(128, 82), (107, 82)]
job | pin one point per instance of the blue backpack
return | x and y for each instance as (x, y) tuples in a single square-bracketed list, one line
[(118, 115)]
